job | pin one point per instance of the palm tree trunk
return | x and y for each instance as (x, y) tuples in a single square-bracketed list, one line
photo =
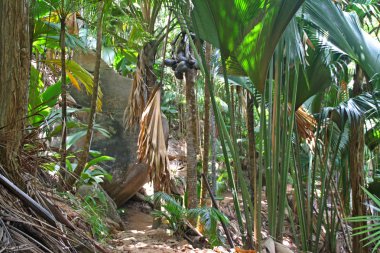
[(206, 131), (63, 94), (252, 164), (233, 129), (191, 140), (357, 168), (14, 78), (148, 55), (213, 152), (86, 149)]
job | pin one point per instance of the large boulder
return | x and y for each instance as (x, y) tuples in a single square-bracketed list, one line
[(128, 175)]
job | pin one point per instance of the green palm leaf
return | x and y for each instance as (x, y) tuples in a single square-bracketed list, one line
[(372, 228), (248, 30), (344, 34), (79, 74)]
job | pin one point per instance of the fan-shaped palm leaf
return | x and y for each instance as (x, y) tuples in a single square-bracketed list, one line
[(344, 34), (373, 225), (248, 30)]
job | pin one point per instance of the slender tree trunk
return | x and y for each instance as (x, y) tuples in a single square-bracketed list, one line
[(252, 165), (357, 168), (63, 95), (206, 131), (233, 125), (14, 78), (86, 149), (213, 152), (191, 139)]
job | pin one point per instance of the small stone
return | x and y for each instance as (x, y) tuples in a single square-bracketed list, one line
[(182, 243), (171, 241)]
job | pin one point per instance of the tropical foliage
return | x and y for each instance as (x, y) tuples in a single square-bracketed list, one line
[(277, 103)]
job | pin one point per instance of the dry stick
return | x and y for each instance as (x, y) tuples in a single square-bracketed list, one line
[(63, 93), (28, 201), (216, 207)]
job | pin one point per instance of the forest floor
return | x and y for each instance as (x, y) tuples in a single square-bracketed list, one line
[(139, 236)]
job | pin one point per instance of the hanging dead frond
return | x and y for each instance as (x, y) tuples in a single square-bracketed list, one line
[(151, 142), (137, 100), (306, 124)]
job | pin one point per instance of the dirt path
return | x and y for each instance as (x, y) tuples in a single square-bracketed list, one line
[(140, 237)]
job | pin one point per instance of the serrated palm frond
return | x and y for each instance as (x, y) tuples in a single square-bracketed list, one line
[(162, 196), (151, 142)]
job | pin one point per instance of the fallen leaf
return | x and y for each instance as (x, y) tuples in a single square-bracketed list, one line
[(239, 250)]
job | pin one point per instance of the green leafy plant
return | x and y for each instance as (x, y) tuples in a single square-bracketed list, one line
[(93, 208), (372, 227), (178, 216), (93, 172)]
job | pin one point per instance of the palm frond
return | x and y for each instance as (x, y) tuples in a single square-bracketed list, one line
[(345, 34), (373, 224), (151, 142), (46, 35), (354, 110), (254, 28), (137, 100), (306, 123), (78, 74), (166, 198)]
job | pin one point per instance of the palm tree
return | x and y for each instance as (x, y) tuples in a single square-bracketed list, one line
[(191, 139), (286, 81), (206, 131), (145, 77)]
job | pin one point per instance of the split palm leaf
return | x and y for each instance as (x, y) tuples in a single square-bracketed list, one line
[(151, 142)]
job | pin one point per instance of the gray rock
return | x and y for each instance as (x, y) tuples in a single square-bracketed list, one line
[(110, 208), (128, 175)]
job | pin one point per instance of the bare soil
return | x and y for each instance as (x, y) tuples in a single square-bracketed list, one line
[(139, 236)]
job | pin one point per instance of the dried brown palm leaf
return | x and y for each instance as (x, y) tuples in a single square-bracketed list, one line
[(137, 100), (151, 142), (306, 124), (23, 228)]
